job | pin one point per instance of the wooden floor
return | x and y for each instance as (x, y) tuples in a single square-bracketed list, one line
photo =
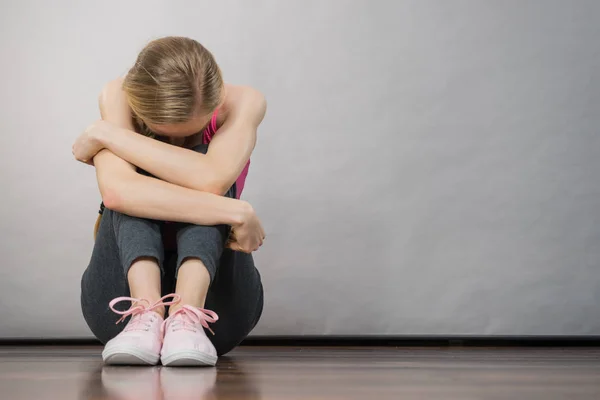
[(310, 373)]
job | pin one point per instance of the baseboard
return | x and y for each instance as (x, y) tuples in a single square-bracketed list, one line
[(391, 341), (422, 341), (49, 342)]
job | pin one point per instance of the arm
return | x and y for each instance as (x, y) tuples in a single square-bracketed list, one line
[(126, 191), (213, 172)]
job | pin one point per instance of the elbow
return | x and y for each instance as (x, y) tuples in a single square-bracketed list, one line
[(219, 185), (217, 188), (111, 200), (113, 196), (221, 190), (211, 182), (260, 105)]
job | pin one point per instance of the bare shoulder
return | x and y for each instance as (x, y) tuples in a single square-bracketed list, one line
[(242, 92), (244, 102), (113, 85), (111, 90)]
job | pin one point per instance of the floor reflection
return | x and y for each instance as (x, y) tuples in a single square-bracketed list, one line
[(230, 379)]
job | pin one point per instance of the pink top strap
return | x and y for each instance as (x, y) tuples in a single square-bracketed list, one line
[(211, 129)]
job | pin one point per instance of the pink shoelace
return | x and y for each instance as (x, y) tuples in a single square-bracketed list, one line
[(188, 318), (139, 307)]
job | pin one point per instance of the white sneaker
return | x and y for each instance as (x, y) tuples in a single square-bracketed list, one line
[(185, 342), (140, 342)]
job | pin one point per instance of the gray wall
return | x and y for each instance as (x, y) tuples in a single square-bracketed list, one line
[(426, 167)]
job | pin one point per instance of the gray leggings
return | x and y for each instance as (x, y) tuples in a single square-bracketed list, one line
[(235, 293)]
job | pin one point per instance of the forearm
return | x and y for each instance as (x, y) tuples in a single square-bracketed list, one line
[(147, 197), (169, 163), (214, 171), (124, 190), (177, 165)]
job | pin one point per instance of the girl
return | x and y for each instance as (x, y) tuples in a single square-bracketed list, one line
[(153, 164)]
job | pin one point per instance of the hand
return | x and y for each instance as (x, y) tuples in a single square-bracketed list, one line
[(89, 143), (249, 235)]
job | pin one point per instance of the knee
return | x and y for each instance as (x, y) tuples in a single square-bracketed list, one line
[(195, 236), (192, 237), (137, 229), (205, 243), (119, 218)]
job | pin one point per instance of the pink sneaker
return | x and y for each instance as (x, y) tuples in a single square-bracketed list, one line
[(185, 342), (140, 342)]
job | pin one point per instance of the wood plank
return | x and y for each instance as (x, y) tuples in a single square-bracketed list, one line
[(62, 372)]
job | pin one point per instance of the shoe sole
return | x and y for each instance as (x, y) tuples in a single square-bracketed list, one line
[(128, 356), (189, 358)]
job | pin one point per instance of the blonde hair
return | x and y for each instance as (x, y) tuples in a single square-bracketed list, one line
[(173, 80)]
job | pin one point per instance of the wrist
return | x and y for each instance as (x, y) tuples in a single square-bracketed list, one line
[(240, 213), (105, 137)]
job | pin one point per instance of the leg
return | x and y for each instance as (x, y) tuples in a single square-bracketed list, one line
[(144, 281), (141, 251), (235, 294), (127, 254), (199, 249), (226, 281)]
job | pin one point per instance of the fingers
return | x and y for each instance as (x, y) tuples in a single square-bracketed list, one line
[(89, 162), (262, 234), (258, 243), (235, 246), (246, 244)]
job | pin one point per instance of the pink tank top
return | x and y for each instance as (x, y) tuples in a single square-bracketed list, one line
[(207, 136)]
